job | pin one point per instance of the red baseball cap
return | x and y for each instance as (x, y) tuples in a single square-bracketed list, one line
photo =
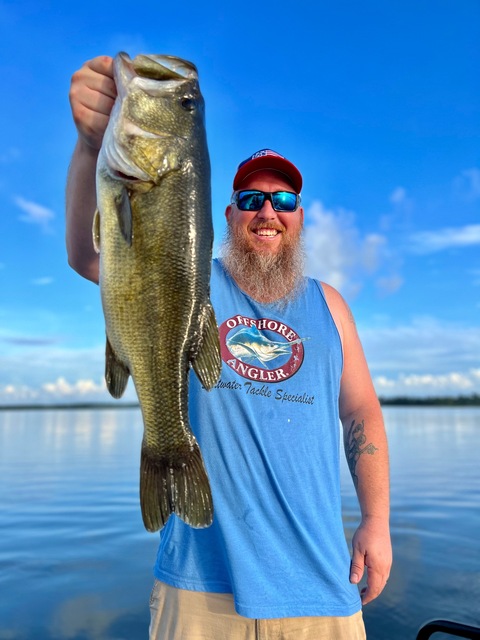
[(268, 159)]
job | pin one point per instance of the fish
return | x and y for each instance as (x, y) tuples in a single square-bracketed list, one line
[(154, 234), (250, 344)]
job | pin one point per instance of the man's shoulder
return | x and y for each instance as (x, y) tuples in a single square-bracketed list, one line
[(338, 308)]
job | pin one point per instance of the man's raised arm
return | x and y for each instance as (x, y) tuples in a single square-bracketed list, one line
[(92, 94)]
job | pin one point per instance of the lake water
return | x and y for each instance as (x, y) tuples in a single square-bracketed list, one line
[(76, 562)]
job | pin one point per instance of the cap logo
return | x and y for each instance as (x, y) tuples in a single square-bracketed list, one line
[(261, 154), (265, 152)]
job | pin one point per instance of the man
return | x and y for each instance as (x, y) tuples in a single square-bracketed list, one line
[(274, 563)]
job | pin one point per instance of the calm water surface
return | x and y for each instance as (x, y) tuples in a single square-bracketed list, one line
[(76, 562)]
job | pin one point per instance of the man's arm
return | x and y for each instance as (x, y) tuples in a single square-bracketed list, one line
[(366, 451), (92, 94)]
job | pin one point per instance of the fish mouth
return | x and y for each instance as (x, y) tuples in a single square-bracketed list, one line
[(161, 67), (164, 67), (133, 183), (124, 177)]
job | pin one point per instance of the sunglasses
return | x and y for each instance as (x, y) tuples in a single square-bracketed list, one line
[(253, 200)]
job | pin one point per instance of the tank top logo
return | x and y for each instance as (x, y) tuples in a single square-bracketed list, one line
[(264, 350)]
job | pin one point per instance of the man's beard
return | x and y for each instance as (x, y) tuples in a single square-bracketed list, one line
[(264, 276)]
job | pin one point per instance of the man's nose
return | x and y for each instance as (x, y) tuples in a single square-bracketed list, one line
[(267, 212)]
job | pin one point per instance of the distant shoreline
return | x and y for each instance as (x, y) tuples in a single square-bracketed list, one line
[(400, 401), (440, 401)]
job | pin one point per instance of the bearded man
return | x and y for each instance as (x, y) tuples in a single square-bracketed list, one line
[(274, 563)]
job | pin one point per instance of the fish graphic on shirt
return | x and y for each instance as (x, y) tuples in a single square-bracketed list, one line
[(249, 344)]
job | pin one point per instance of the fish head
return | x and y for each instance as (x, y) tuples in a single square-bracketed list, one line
[(164, 96), (158, 115)]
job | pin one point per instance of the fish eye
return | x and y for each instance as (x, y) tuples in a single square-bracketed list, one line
[(188, 104)]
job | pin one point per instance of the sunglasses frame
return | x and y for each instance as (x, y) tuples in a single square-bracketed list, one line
[(267, 195)]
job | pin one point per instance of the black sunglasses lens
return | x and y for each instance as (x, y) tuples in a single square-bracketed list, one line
[(250, 200), (284, 201)]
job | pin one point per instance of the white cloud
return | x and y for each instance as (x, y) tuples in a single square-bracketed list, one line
[(11, 394), (61, 391), (338, 253), (42, 281), (61, 388), (447, 238), (35, 213), (429, 384)]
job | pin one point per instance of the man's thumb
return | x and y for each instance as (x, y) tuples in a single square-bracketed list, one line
[(357, 567)]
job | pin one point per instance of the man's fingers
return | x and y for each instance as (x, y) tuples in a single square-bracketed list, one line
[(102, 66), (88, 86), (375, 586), (92, 95), (92, 100)]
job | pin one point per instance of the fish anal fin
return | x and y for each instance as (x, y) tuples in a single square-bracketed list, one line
[(181, 487), (124, 214), (116, 373), (208, 362)]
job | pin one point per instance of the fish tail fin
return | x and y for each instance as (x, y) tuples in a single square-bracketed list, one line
[(180, 487)]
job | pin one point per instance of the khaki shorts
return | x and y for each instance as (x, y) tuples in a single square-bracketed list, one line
[(177, 614)]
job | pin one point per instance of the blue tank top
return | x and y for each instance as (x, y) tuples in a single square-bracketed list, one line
[(270, 437)]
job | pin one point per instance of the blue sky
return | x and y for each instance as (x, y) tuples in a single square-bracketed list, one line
[(378, 103)]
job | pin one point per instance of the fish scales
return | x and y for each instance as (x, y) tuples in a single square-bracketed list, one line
[(154, 233)]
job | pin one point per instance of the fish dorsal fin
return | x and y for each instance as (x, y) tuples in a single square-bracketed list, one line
[(96, 231), (116, 373), (208, 363), (124, 214)]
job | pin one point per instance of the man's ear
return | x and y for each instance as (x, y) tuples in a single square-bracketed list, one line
[(228, 211)]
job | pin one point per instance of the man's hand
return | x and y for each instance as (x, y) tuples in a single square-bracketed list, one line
[(92, 94), (372, 550)]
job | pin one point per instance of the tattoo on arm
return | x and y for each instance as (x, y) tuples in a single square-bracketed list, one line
[(354, 440)]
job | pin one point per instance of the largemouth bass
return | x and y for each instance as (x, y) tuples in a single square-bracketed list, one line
[(153, 230)]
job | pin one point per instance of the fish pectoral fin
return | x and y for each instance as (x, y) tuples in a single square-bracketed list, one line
[(96, 231), (181, 487), (116, 373), (208, 362), (124, 214)]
